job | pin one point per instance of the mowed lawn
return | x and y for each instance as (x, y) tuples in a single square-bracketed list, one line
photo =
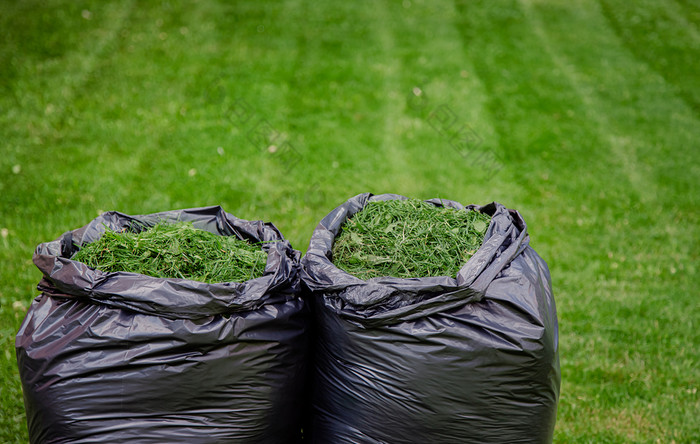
[(582, 115)]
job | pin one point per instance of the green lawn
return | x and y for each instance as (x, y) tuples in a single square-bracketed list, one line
[(582, 115)]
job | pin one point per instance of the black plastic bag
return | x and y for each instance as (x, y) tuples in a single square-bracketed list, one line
[(435, 359), (123, 357)]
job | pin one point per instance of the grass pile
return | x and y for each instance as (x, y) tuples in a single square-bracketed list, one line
[(408, 238), (176, 250)]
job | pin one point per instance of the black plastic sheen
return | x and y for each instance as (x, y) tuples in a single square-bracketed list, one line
[(123, 357), (466, 359)]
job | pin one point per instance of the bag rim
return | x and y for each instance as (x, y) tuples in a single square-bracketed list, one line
[(386, 299), (169, 297)]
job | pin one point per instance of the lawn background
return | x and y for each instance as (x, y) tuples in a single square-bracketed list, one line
[(583, 115)]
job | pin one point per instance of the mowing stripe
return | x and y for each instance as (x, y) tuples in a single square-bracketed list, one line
[(76, 68), (660, 34), (623, 147), (628, 142), (388, 67)]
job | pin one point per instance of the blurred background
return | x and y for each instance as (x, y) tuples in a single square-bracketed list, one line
[(582, 115)]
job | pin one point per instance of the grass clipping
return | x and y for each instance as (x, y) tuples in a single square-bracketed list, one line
[(176, 250), (408, 238)]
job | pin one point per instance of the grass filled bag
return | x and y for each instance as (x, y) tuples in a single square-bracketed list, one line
[(107, 355), (466, 357)]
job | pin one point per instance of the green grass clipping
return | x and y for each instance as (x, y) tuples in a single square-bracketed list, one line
[(408, 238), (175, 250)]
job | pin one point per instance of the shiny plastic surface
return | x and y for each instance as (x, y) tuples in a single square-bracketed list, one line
[(471, 359), (123, 357)]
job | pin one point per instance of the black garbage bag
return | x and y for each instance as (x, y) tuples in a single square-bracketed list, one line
[(471, 359), (122, 357)]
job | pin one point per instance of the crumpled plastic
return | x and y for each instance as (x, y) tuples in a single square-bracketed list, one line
[(123, 357), (466, 359)]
